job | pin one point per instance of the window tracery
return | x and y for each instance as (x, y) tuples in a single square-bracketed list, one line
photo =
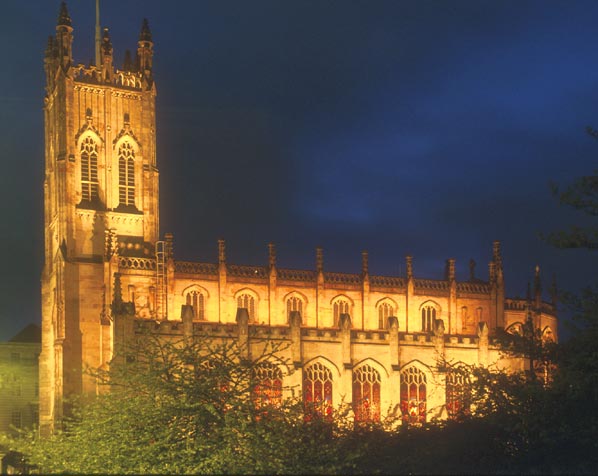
[(195, 299), (294, 303), (413, 395), (366, 394), (340, 306), (126, 175), (458, 392), (428, 318), (385, 310), (317, 389), (89, 171), (267, 387), (247, 301)]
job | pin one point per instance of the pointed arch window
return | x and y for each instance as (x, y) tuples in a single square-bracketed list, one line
[(90, 187), (385, 310), (458, 392), (294, 303), (428, 318), (413, 395), (317, 390), (247, 301), (340, 306), (126, 175), (366, 394), (267, 385), (196, 300)]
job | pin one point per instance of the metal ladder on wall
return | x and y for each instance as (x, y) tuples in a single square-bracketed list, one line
[(161, 281)]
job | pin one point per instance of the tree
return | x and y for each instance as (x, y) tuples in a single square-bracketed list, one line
[(189, 407)]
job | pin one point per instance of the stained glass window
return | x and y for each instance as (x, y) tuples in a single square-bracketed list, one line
[(366, 394), (267, 388), (413, 395), (458, 392), (317, 389)]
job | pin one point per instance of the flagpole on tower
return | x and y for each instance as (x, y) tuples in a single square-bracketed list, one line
[(98, 38)]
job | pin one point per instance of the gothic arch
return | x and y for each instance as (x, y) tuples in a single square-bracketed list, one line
[(515, 328), (89, 131), (343, 297), (374, 364), (249, 291), (431, 303), (418, 364), (298, 294), (249, 299), (131, 139), (547, 334), (195, 287), (326, 363), (388, 300), (430, 312)]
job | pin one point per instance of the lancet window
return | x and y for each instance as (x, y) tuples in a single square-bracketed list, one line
[(248, 302), (340, 306), (267, 386), (126, 175), (366, 394), (317, 390), (89, 171), (428, 318), (413, 395), (385, 310), (196, 300), (294, 303), (458, 392)]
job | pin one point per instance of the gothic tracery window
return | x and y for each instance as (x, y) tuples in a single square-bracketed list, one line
[(413, 395), (267, 387), (126, 175), (196, 300), (458, 392), (385, 310), (247, 301), (366, 394), (428, 318), (294, 303), (317, 389), (89, 171), (340, 306)]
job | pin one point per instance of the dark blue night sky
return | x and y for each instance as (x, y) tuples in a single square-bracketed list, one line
[(428, 128)]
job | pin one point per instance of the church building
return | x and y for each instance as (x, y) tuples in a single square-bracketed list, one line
[(375, 341)]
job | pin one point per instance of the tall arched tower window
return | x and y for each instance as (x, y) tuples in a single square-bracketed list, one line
[(413, 395), (366, 394), (385, 310), (196, 300), (294, 303), (428, 318), (126, 175), (317, 389), (89, 171), (248, 302)]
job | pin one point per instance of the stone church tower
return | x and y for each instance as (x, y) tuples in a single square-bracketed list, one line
[(100, 193)]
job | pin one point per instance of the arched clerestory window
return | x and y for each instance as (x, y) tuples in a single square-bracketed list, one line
[(413, 395), (366, 394), (196, 299), (294, 303), (428, 318), (340, 306), (126, 175), (90, 187), (385, 310), (317, 389), (247, 301)]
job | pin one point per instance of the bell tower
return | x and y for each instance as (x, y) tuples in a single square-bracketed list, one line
[(100, 195)]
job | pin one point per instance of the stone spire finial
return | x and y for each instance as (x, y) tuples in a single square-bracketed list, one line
[(365, 266), (146, 34), (128, 61), (106, 43), (319, 259), (409, 263), (472, 264), (554, 292), (492, 271), (537, 281), (450, 269), (64, 18), (496, 256), (221, 252), (272, 255)]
